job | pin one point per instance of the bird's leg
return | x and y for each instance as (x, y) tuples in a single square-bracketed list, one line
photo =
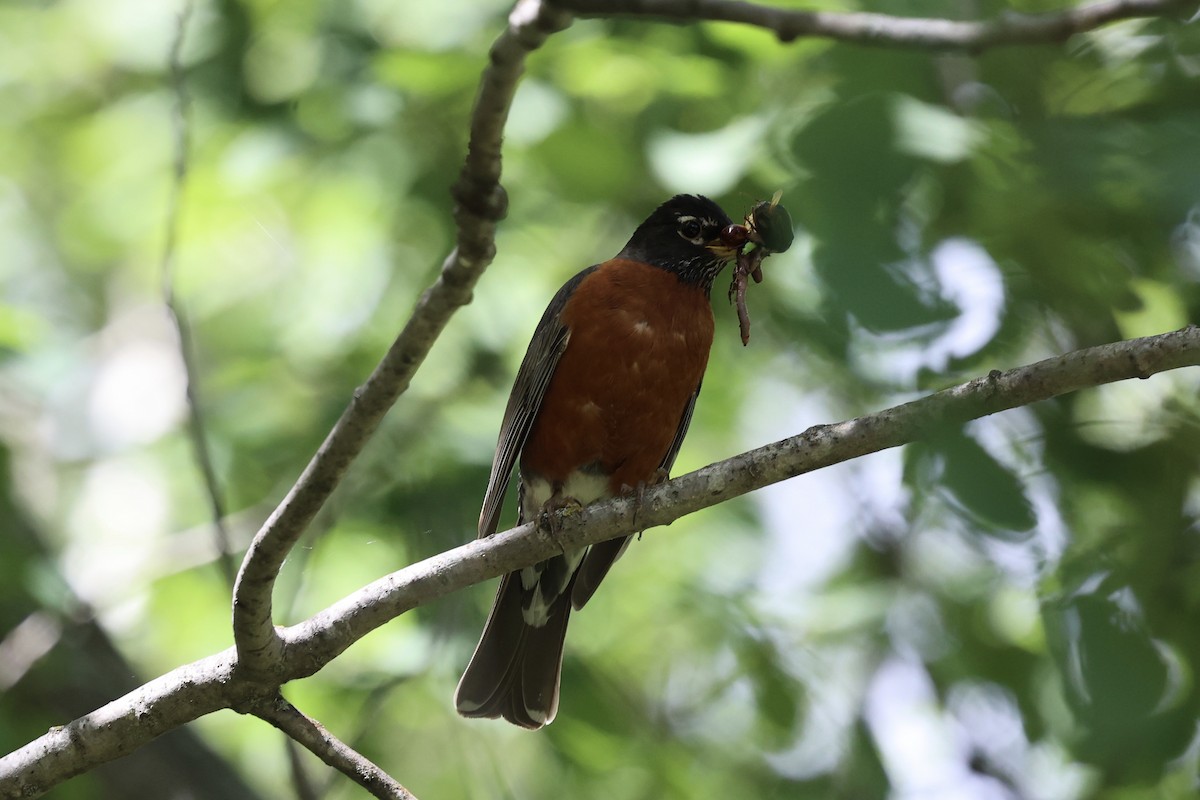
[(639, 493)]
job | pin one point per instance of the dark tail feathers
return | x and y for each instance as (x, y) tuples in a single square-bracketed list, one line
[(516, 668)]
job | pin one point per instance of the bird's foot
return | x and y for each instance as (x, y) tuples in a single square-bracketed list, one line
[(550, 520), (639, 494)]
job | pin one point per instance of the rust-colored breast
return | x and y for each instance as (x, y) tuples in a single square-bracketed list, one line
[(639, 345)]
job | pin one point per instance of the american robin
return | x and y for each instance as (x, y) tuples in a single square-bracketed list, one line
[(599, 408)]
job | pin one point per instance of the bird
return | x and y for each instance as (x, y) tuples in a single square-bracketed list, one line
[(599, 408)]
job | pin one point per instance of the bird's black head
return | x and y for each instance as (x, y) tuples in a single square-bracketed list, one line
[(683, 236)]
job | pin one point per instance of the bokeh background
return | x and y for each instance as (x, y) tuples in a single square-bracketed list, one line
[(1007, 611)]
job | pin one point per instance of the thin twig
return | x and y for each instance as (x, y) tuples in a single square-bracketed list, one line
[(480, 204), (867, 28), (181, 124), (370, 709), (334, 752), (302, 783)]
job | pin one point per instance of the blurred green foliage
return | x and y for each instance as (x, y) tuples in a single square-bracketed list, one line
[(1005, 611)]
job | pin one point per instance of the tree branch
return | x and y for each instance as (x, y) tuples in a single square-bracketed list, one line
[(333, 630), (181, 124), (883, 29), (212, 683), (302, 783), (334, 752), (480, 204)]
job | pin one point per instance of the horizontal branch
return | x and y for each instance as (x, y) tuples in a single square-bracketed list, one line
[(862, 27), (210, 684)]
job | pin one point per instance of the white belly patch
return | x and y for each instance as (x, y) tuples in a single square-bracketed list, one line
[(586, 487)]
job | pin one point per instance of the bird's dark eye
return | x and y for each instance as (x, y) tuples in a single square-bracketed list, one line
[(690, 228)]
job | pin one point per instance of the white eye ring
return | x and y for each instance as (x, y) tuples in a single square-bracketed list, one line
[(691, 229)]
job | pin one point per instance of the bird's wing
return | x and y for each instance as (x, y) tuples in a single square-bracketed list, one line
[(680, 432), (545, 349)]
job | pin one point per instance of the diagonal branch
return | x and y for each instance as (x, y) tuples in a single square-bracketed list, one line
[(120, 727), (196, 426), (480, 204), (331, 631), (860, 27), (334, 752), (210, 684)]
